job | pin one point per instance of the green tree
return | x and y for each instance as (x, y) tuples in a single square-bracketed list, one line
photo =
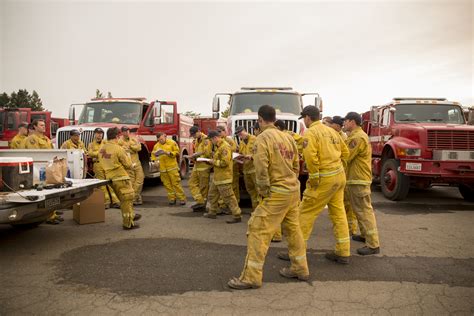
[(226, 112), (98, 94), (22, 99)]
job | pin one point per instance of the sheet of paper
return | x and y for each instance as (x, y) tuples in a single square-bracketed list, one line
[(203, 159)]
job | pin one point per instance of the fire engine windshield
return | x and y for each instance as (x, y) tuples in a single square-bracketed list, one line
[(250, 102), (429, 113), (111, 112)]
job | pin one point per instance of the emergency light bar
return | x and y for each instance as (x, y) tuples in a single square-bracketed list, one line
[(427, 99), (267, 88)]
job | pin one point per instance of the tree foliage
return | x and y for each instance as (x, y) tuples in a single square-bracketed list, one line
[(191, 114), (226, 112), (100, 95), (22, 99)]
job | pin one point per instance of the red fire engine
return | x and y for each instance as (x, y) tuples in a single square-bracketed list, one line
[(10, 118), (144, 119), (420, 142)]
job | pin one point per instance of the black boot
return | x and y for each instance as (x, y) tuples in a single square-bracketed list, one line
[(366, 251)]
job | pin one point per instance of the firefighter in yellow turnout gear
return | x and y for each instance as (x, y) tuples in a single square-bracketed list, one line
[(132, 147), (247, 142), (74, 141), (325, 153), (299, 145), (276, 168), (337, 123), (359, 179), (221, 186), (18, 141), (166, 151), (115, 161), (37, 140), (199, 180), (99, 173), (235, 167)]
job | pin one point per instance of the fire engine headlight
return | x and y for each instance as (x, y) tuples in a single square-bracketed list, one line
[(409, 151)]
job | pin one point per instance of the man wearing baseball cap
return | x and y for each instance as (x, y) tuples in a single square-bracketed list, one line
[(247, 142), (17, 141), (337, 122), (199, 180), (74, 141), (132, 146), (359, 179), (324, 152)]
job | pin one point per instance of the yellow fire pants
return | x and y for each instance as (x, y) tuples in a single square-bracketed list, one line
[(224, 192), (235, 180), (100, 174), (125, 194), (362, 206), (273, 211), (172, 182), (199, 185), (351, 217), (330, 192), (249, 180), (137, 177)]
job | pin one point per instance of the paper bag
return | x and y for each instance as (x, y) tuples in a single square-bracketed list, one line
[(56, 171)]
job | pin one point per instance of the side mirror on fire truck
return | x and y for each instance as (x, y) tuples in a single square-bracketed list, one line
[(215, 104), (215, 115), (157, 113)]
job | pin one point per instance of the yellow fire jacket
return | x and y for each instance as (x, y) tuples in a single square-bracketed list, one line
[(132, 146), (359, 163), (223, 163), (298, 139), (246, 148), (276, 162), (37, 141), (114, 160), (70, 145), (325, 152), (94, 148), (203, 146), (167, 162), (18, 142)]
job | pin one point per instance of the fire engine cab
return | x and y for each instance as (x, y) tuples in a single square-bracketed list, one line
[(420, 142), (144, 119)]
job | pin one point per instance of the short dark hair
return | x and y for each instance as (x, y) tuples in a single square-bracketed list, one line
[(112, 133), (213, 134), (280, 125), (356, 117), (159, 134), (312, 112), (35, 122), (267, 113)]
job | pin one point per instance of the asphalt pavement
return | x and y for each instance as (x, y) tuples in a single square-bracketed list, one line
[(179, 263)]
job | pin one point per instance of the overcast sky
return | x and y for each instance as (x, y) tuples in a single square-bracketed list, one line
[(355, 54)]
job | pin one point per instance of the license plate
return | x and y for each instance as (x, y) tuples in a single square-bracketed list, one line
[(52, 202), (413, 166)]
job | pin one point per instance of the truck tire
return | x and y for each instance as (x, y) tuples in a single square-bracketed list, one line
[(395, 185), (184, 168), (467, 192)]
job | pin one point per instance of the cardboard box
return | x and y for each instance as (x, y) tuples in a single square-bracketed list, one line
[(91, 210)]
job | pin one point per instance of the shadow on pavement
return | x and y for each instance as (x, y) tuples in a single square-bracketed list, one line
[(165, 266)]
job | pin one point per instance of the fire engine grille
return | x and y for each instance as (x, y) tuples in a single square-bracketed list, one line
[(249, 124), (455, 140), (86, 137)]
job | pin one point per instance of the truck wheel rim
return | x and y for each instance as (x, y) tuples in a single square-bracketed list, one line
[(390, 179)]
